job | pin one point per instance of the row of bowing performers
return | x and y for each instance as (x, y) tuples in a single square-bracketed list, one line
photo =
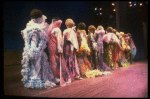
[(68, 53), (62, 51), (112, 48), (89, 64)]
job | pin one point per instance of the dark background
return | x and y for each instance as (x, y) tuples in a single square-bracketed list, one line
[(16, 15)]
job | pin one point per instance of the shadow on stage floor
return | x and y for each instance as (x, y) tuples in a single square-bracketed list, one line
[(130, 82)]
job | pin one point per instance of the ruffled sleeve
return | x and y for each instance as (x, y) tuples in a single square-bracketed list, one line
[(91, 41), (71, 36), (94, 44), (84, 45), (57, 32)]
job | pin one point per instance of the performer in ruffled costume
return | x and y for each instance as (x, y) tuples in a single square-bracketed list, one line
[(110, 40), (70, 48), (120, 58), (116, 51), (93, 46), (99, 33), (127, 50), (55, 46), (84, 50), (35, 67), (133, 48)]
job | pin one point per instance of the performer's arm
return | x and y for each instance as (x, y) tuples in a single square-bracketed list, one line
[(59, 41)]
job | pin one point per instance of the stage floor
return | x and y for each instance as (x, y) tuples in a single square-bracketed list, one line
[(130, 82)]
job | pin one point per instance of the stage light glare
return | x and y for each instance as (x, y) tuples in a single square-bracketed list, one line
[(130, 5), (113, 4), (95, 8), (114, 9), (100, 8), (135, 4), (129, 2), (146, 2), (100, 13), (140, 4)]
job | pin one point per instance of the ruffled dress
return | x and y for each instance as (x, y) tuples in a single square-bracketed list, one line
[(83, 62), (36, 70), (70, 48), (99, 39)]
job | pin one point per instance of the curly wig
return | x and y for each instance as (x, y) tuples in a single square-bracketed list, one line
[(35, 13), (81, 26)]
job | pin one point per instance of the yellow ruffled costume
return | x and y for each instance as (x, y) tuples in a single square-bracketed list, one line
[(83, 61), (93, 73), (84, 45)]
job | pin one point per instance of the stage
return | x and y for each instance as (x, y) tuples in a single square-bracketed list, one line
[(130, 82)]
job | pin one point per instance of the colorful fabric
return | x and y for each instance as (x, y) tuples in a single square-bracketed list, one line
[(71, 36), (133, 48), (127, 54), (35, 67), (133, 52), (122, 60), (131, 43), (99, 39), (110, 55), (126, 47), (83, 61), (69, 53), (83, 43), (116, 52), (93, 73), (125, 64), (109, 37), (93, 47), (55, 47), (84, 64), (91, 41)]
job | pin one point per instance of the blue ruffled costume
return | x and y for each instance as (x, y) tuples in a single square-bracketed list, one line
[(36, 70)]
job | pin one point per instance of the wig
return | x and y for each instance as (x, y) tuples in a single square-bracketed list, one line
[(81, 26), (91, 28), (35, 13), (69, 23)]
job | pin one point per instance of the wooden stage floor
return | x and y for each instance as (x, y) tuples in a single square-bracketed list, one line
[(130, 82)]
